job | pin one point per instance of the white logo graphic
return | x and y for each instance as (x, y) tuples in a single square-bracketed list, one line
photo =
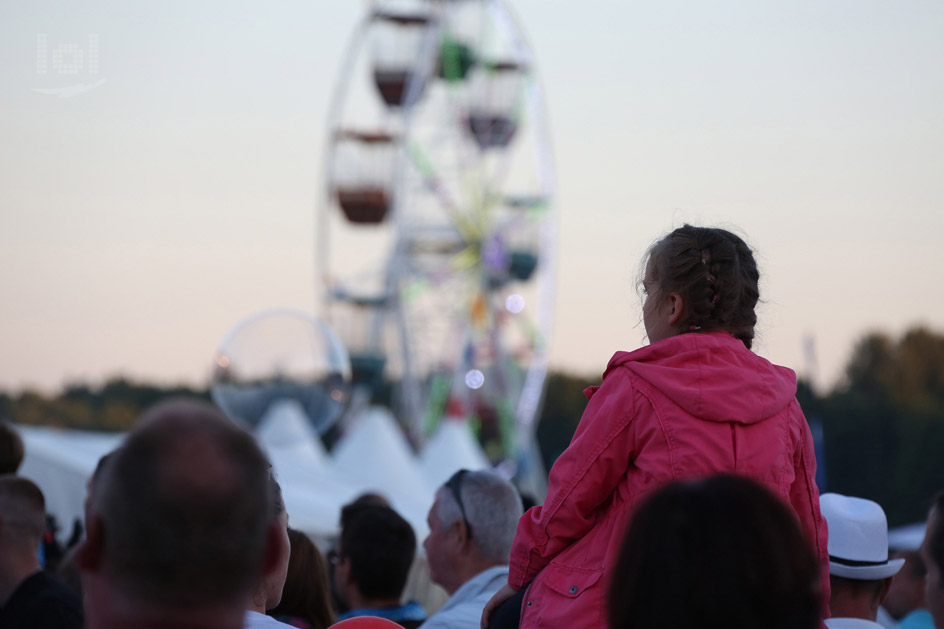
[(69, 59)]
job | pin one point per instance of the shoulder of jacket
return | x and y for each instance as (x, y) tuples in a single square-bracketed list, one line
[(618, 381)]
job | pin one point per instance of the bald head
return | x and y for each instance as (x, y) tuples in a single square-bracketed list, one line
[(22, 513), (184, 505)]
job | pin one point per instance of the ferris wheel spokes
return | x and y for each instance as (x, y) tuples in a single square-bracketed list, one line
[(459, 199)]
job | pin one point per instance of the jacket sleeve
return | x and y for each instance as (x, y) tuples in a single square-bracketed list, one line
[(584, 476), (804, 497)]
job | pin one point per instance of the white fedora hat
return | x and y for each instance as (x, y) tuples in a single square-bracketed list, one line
[(858, 538)]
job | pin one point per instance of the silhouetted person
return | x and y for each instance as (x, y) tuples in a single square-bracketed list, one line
[(268, 590), (905, 602), (11, 449), (932, 551), (471, 526), (306, 596), (180, 529), (860, 572), (29, 598), (721, 552), (374, 555)]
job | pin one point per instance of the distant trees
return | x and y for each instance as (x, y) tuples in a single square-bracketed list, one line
[(884, 425), (113, 406)]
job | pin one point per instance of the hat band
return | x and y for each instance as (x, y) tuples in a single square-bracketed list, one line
[(856, 564)]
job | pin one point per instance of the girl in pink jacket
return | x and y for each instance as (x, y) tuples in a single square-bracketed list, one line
[(694, 402)]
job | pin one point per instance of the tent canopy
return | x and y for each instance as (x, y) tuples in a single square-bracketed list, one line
[(373, 456)]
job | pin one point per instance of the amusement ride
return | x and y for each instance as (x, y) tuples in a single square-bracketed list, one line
[(436, 223)]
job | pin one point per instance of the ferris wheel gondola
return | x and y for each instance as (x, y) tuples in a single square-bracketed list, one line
[(437, 226)]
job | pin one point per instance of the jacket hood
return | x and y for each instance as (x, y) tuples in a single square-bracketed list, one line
[(712, 376)]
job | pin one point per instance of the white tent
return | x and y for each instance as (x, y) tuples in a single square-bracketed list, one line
[(285, 428), (375, 454), (453, 447), (908, 537), (313, 491), (313, 495), (61, 462), (373, 457)]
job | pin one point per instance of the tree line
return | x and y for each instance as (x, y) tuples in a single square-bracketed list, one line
[(882, 425)]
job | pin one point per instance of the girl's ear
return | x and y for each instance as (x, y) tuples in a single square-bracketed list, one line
[(676, 308)]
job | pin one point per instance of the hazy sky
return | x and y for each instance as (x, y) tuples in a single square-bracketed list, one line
[(142, 219)]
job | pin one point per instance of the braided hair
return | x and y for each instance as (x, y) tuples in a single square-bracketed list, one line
[(715, 273)]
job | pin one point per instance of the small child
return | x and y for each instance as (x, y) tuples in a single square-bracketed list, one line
[(694, 402)]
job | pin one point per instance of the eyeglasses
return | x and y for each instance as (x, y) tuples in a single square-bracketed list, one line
[(455, 486)]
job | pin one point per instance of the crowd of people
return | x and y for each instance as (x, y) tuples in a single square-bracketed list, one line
[(685, 499)]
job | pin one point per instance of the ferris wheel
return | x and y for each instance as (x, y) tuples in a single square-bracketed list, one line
[(437, 225)]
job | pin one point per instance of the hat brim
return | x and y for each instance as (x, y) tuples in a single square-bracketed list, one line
[(866, 573)]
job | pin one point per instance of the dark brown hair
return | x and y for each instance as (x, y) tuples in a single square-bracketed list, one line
[(714, 272), (306, 594), (381, 546), (22, 509), (719, 552), (11, 449)]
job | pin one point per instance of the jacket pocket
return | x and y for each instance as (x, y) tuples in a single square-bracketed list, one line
[(571, 582), (562, 597)]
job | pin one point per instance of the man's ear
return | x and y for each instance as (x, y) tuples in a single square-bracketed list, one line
[(89, 555), (461, 531), (886, 586), (343, 570), (342, 578), (275, 546)]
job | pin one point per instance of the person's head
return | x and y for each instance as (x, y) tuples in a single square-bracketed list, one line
[(181, 516), (22, 516), (907, 590), (11, 449), (306, 594), (368, 498), (375, 551), (932, 552), (700, 279), (722, 551), (860, 572), (269, 591), (472, 525)]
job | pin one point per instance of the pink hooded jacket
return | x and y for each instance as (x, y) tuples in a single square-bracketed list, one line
[(687, 406)]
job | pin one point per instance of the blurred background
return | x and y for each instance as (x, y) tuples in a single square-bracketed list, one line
[(154, 194)]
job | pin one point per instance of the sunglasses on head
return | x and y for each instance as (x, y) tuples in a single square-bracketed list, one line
[(455, 486)]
